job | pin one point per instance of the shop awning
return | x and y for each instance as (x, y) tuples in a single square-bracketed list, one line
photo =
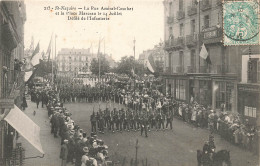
[(25, 126)]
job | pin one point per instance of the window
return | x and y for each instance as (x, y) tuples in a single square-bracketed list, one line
[(181, 61), (253, 70), (224, 95), (170, 32), (250, 111), (206, 21), (181, 29), (170, 61), (180, 90), (192, 58), (220, 94), (180, 5), (170, 9), (258, 71), (192, 27)]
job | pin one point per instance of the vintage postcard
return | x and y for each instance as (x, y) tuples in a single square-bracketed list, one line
[(129, 82)]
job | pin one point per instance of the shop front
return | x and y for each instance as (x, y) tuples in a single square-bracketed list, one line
[(224, 94), (178, 87), (200, 89), (248, 101)]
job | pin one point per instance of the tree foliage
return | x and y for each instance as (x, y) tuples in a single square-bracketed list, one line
[(126, 65), (104, 66)]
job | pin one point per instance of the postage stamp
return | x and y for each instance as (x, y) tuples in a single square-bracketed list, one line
[(240, 23)]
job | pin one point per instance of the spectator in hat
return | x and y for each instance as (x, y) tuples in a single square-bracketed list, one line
[(85, 157), (64, 152)]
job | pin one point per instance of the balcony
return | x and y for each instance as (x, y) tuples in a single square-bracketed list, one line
[(179, 43), (192, 10), (169, 44), (191, 69), (191, 40), (179, 69), (220, 69), (170, 20), (212, 35), (203, 69), (180, 14), (206, 5)]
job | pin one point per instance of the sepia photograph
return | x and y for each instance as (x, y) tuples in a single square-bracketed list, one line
[(129, 82)]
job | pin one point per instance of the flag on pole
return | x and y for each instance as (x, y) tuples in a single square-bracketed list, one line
[(36, 59), (133, 72), (149, 63), (27, 75), (36, 50), (204, 54)]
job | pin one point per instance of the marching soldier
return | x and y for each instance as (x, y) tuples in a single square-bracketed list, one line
[(116, 119), (136, 118), (132, 121), (101, 123), (121, 119), (150, 121), (169, 120), (144, 123), (93, 120), (112, 121)]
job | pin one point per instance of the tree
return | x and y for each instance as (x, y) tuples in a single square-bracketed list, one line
[(126, 65), (104, 66)]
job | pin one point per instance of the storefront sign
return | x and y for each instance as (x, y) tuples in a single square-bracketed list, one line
[(203, 78), (7, 103), (210, 34), (249, 88)]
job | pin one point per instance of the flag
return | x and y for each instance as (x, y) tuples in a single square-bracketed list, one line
[(36, 50), (149, 63), (36, 56), (27, 75), (204, 54), (48, 52), (133, 72), (36, 59)]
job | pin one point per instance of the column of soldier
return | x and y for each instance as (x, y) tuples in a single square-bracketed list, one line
[(140, 113), (76, 146)]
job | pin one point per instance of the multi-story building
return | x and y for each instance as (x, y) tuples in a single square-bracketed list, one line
[(74, 60), (158, 54), (187, 25), (12, 19)]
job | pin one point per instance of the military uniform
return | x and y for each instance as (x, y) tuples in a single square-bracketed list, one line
[(144, 123), (169, 120), (93, 120)]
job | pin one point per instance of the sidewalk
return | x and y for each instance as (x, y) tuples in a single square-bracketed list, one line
[(50, 145)]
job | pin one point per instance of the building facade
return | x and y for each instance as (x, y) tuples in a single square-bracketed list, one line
[(158, 54), (187, 25), (74, 60), (12, 18)]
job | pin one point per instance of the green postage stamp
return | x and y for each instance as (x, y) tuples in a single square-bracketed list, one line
[(240, 23)]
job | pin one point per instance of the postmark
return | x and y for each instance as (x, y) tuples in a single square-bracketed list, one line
[(240, 23)]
